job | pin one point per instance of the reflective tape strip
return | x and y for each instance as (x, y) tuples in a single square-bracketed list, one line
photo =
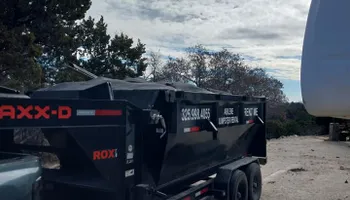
[(202, 191), (249, 121), (195, 129), (108, 112), (99, 112), (86, 112), (192, 129)]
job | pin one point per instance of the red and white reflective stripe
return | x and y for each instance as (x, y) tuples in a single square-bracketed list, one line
[(192, 129), (87, 112), (249, 121), (202, 191)]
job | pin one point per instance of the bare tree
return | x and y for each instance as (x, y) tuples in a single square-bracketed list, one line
[(198, 57), (155, 63), (223, 70), (176, 70)]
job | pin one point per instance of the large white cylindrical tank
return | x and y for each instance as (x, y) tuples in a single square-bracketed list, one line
[(325, 66)]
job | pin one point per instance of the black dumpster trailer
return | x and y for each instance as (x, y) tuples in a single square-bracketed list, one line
[(134, 140)]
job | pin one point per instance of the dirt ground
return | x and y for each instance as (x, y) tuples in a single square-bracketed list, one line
[(307, 168)]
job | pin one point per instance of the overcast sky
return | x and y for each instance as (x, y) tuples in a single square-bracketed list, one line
[(268, 33)]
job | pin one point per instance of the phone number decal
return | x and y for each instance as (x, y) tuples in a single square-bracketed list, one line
[(191, 114)]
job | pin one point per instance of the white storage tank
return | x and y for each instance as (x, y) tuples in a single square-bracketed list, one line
[(325, 67)]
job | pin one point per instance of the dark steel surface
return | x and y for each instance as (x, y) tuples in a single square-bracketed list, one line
[(159, 158), (178, 153), (74, 141)]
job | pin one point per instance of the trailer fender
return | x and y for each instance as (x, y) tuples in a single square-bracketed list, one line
[(224, 174)]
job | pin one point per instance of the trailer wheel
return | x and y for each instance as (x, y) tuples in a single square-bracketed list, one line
[(254, 181), (239, 186)]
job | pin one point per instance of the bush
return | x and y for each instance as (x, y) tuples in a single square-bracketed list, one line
[(275, 129), (294, 121), (291, 127)]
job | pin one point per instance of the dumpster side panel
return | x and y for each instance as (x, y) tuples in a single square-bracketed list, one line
[(212, 133)]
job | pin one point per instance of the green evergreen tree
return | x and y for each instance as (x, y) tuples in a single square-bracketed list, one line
[(108, 57), (18, 68), (30, 29)]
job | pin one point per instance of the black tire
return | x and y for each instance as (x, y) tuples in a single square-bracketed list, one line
[(253, 174), (239, 186)]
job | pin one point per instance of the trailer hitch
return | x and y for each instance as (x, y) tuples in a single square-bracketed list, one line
[(151, 191)]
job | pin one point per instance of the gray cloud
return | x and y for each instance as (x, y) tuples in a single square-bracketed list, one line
[(266, 31), (144, 10), (248, 33), (152, 14), (289, 57), (251, 58), (174, 39), (302, 9)]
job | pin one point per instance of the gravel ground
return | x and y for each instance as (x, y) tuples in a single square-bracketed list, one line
[(307, 168)]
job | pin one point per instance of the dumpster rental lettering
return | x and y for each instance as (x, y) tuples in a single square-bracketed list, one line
[(105, 154), (229, 117), (249, 112), (34, 112), (190, 114)]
